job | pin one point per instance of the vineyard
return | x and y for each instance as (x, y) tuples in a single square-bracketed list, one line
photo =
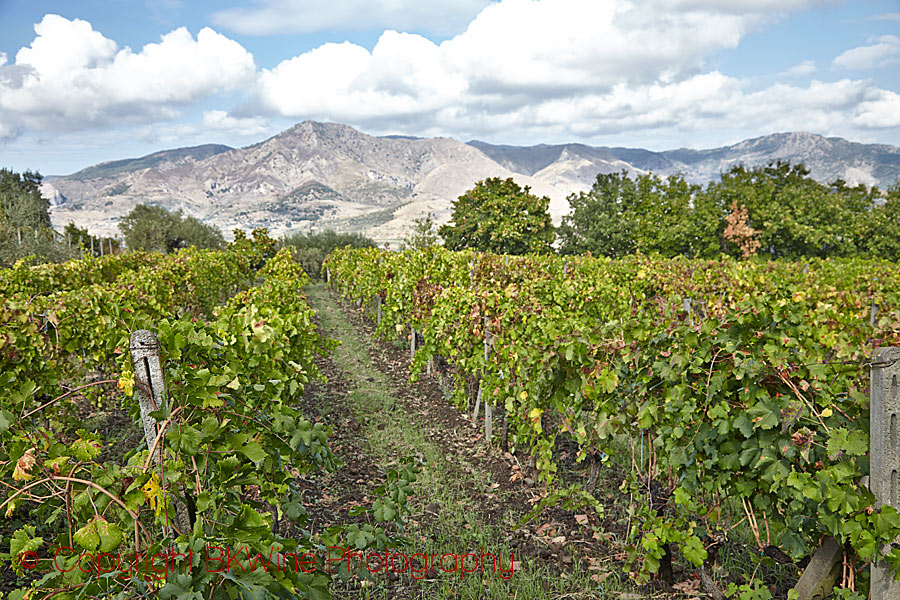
[(732, 396), (739, 389)]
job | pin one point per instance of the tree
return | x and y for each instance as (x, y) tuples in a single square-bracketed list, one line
[(602, 220), (154, 228), (621, 215), (739, 233), (880, 231), (423, 234), (21, 203), (311, 249), (25, 229), (191, 232), (499, 216), (793, 214)]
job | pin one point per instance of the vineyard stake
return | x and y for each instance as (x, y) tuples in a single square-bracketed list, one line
[(488, 409), (150, 389), (884, 442), (477, 404)]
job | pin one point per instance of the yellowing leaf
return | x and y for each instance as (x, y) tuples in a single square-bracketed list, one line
[(535, 416), (126, 383), (827, 413), (152, 490), (22, 472), (235, 384)]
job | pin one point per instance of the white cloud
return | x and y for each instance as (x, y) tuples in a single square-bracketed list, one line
[(885, 51), (564, 69), (72, 77), (306, 16), (522, 71), (513, 52), (242, 126), (883, 110), (807, 67)]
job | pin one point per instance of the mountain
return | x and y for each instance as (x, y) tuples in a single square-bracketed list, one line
[(326, 175), (577, 165), (161, 160)]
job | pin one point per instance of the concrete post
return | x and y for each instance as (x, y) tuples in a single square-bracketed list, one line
[(884, 432), (150, 390)]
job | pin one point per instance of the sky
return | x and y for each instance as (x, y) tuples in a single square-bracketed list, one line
[(82, 82)]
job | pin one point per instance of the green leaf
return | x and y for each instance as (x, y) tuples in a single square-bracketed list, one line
[(6, 419), (253, 451)]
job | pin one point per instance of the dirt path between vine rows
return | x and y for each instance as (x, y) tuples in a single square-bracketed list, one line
[(469, 495)]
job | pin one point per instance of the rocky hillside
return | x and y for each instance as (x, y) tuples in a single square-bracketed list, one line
[(828, 159), (325, 175)]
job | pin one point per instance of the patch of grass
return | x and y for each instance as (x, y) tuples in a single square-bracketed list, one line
[(446, 517)]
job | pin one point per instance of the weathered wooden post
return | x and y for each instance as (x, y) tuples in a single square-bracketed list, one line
[(150, 390), (412, 342), (884, 442)]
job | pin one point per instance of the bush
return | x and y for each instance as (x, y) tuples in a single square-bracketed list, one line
[(310, 249)]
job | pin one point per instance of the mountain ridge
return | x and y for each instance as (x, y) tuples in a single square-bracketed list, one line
[(317, 175)]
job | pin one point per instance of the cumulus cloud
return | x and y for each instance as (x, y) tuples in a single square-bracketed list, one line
[(513, 52), (882, 110), (243, 126), (521, 71), (306, 16), (885, 51), (72, 77), (565, 69)]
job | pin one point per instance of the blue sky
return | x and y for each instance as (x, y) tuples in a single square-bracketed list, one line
[(84, 82)]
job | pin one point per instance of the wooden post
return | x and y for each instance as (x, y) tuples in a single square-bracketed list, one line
[(477, 404), (688, 310), (488, 409), (412, 343), (884, 444), (873, 311), (150, 390), (92, 245), (488, 420)]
